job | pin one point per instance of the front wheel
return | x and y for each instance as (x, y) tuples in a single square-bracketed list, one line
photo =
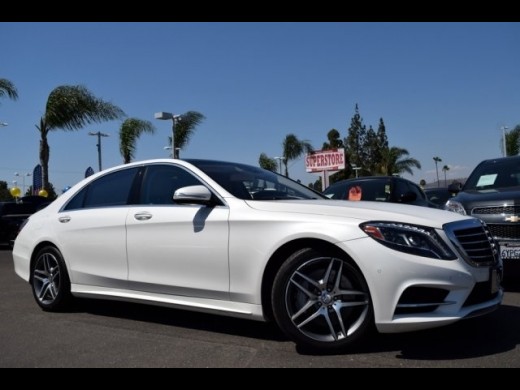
[(50, 281), (321, 301)]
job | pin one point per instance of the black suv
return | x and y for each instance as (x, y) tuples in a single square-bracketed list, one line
[(492, 193), (13, 214)]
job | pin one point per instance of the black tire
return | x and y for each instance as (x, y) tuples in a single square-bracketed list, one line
[(321, 301), (50, 280)]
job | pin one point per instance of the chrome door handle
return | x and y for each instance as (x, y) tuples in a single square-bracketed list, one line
[(143, 216), (64, 219)]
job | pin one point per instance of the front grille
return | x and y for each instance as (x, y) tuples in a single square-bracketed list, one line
[(496, 210), (508, 232), (474, 241)]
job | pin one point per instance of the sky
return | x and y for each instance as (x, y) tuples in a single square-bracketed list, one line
[(442, 89)]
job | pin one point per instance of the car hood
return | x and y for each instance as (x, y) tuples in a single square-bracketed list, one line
[(504, 195), (362, 211)]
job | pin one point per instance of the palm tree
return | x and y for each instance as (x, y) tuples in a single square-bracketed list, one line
[(71, 107), (396, 161), (8, 88), (437, 161), (184, 128), (293, 148), (131, 130), (445, 169)]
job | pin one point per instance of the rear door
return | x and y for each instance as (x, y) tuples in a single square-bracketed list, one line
[(92, 231)]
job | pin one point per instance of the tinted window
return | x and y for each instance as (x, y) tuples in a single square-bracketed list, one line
[(247, 182), (110, 190), (161, 182), (372, 190)]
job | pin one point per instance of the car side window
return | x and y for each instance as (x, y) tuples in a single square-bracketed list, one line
[(107, 191), (161, 181), (400, 188)]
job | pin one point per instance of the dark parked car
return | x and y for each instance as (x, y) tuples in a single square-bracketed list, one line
[(379, 189), (492, 193), (13, 214), (439, 196)]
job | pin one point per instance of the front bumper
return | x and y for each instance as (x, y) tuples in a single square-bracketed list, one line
[(412, 293)]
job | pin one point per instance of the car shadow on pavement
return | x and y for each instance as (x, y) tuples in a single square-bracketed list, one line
[(472, 338), (181, 318)]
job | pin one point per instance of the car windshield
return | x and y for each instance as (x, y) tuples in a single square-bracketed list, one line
[(252, 183), (492, 175)]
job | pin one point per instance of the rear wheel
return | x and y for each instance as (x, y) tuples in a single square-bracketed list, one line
[(321, 301), (50, 281)]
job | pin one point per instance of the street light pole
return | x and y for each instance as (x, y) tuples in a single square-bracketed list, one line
[(23, 176), (174, 118), (504, 128), (99, 134), (279, 163)]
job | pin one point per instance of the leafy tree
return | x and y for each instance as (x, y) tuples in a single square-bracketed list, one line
[(356, 140), (131, 130), (8, 89), (184, 129), (51, 191), (513, 141), (5, 195), (334, 140), (69, 108), (293, 149), (396, 161), (268, 163)]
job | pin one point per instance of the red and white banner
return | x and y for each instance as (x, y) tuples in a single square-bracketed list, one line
[(325, 160)]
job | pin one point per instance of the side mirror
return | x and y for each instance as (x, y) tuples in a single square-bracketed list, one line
[(454, 188), (193, 195), (409, 197)]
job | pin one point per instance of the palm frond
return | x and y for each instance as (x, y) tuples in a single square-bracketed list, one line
[(131, 130), (73, 107), (9, 89), (185, 127)]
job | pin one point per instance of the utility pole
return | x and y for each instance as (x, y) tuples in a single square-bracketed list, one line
[(99, 134)]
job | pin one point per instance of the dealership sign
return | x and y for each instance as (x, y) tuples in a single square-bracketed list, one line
[(325, 160)]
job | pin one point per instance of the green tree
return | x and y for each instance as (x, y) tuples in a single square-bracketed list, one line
[(268, 163), (51, 191), (293, 149), (334, 140), (356, 140), (7, 88), (437, 160), (184, 129), (5, 195), (513, 141), (130, 131), (397, 162), (69, 108)]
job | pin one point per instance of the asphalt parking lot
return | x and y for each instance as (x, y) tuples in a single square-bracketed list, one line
[(115, 334)]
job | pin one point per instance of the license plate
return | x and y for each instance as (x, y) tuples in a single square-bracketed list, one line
[(510, 251)]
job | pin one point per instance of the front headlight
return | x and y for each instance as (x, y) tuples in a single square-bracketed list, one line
[(456, 207), (416, 240)]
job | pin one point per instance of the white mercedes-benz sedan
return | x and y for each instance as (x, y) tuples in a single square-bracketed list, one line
[(237, 240)]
